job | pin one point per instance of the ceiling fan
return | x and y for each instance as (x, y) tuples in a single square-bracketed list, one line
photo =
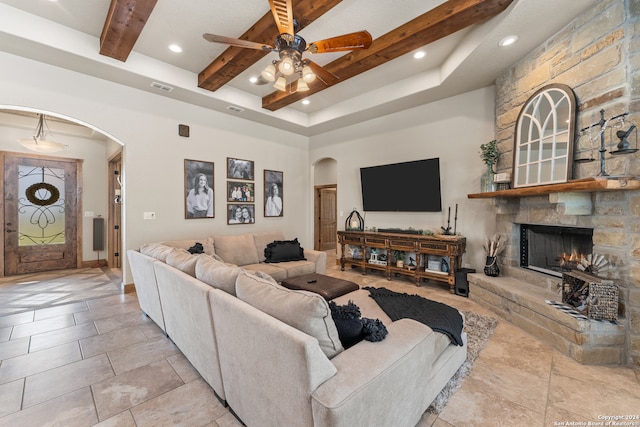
[(292, 67)]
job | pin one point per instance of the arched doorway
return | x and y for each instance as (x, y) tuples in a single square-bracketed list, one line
[(92, 150)]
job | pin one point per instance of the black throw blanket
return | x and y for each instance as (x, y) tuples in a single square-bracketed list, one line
[(439, 317)]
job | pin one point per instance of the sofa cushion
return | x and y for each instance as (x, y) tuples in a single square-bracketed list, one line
[(156, 250), (261, 241), (294, 268), (305, 311), (217, 274), (238, 250), (284, 250), (183, 261), (274, 270)]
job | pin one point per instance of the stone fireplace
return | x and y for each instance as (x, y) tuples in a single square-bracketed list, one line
[(546, 235), (594, 55)]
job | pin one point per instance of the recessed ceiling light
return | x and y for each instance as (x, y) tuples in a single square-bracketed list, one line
[(509, 40), (419, 54), (253, 79), (175, 48), (306, 102)]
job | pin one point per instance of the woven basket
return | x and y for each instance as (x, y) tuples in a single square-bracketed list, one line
[(603, 301), (600, 295)]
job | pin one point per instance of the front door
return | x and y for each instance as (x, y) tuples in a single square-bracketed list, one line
[(40, 213)]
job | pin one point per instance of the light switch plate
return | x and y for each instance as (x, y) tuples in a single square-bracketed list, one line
[(149, 215)]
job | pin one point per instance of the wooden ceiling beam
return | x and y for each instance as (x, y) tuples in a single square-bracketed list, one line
[(234, 60), (442, 21), (124, 23)]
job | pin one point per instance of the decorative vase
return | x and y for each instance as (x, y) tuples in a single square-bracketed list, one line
[(486, 180), (399, 264), (491, 267)]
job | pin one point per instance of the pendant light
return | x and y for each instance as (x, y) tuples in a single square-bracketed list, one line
[(39, 142)]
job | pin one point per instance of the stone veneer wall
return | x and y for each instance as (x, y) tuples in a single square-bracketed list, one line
[(598, 56)]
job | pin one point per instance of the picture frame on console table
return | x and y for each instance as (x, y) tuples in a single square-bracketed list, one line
[(240, 214), (273, 193), (199, 199)]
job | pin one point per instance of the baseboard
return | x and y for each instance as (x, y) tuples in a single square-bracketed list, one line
[(94, 264)]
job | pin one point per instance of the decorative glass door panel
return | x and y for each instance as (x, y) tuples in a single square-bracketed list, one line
[(41, 212)]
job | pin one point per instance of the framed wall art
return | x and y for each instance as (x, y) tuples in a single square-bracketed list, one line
[(240, 169), (240, 214), (273, 186), (198, 187), (238, 191)]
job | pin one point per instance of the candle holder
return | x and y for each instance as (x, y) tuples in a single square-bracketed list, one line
[(447, 230), (354, 221)]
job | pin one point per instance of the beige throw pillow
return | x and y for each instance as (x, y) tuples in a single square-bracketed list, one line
[(305, 311)]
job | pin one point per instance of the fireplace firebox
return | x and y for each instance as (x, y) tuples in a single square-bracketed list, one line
[(554, 249)]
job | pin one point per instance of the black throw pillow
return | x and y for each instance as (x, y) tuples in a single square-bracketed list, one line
[(351, 328), (284, 250), (196, 249)]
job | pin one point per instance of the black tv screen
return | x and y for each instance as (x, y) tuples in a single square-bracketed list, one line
[(402, 187)]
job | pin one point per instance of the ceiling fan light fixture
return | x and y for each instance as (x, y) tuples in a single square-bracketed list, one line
[(39, 142), (281, 84), (302, 86), (286, 66), (307, 74), (269, 73)]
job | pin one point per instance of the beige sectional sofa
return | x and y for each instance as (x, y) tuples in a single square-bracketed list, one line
[(274, 354)]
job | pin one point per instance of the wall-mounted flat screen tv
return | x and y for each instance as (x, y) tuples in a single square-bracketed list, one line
[(402, 187)]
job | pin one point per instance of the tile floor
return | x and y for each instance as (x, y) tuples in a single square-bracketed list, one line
[(100, 361)]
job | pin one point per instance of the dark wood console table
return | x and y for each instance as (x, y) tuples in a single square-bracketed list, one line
[(432, 253)]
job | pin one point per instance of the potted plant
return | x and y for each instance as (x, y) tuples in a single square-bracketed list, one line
[(399, 256), (489, 153)]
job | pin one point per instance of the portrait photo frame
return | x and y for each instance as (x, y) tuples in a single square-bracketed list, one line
[(238, 213), (273, 193), (240, 169), (199, 200), (240, 191)]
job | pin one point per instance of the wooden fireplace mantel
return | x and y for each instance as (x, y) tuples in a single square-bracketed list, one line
[(578, 185)]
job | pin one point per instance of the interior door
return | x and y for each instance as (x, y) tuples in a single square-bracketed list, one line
[(40, 213), (326, 217), (115, 212)]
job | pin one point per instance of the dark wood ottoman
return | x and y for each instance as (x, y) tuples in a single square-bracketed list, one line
[(327, 286)]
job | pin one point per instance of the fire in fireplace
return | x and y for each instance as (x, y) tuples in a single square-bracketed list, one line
[(554, 249)]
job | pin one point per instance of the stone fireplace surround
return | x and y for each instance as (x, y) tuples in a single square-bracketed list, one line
[(519, 294)]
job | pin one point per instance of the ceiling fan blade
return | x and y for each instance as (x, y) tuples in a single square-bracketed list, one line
[(236, 42), (351, 41), (283, 14), (327, 77)]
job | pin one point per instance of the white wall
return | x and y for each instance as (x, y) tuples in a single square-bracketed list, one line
[(451, 129), (154, 154)]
